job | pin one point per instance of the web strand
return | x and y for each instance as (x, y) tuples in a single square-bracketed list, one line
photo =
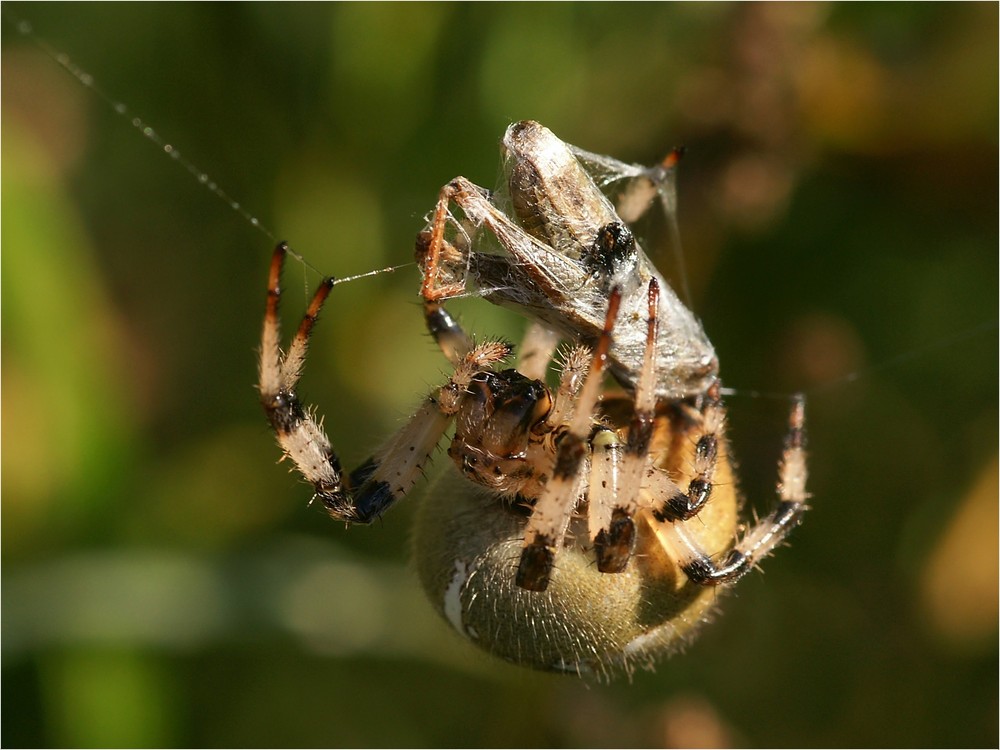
[(613, 167), (85, 79)]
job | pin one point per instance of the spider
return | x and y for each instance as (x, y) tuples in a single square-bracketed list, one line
[(583, 526)]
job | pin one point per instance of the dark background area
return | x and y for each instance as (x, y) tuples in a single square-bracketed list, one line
[(165, 583)]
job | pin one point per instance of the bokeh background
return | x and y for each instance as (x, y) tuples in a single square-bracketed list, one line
[(165, 583)]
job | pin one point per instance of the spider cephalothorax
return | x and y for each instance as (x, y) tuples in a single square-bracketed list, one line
[(500, 430), (585, 526)]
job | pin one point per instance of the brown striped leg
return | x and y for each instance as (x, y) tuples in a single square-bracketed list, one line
[(761, 539), (299, 435), (547, 525), (371, 488), (677, 505), (614, 538), (536, 351)]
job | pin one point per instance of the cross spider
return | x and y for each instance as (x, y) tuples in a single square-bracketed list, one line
[(550, 480)]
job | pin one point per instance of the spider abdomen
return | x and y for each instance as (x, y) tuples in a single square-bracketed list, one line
[(467, 545)]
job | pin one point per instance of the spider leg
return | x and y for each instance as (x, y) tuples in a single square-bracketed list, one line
[(761, 539), (550, 517), (672, 504), (612, 530), (575, 363), (447, 333), (395, 468), (300, 436), (369, 490), (536, 351), (614, 499)]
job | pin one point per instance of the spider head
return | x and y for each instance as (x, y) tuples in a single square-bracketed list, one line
[(499, 415)]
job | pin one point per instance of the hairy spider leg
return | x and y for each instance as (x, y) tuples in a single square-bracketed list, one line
[(670, 502), (391, 473), (575, 363), (766, 534), (301, 438), (614, 497), (369, 490), (547, 525), (536, 351)]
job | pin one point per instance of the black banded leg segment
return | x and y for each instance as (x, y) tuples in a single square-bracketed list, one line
[(300, 436), (615, 543), (369, 490), (450, 337), (393, 471), (614, 539), (761, 539), (680, 506), (534, 569), (548, 521), (612, 529)]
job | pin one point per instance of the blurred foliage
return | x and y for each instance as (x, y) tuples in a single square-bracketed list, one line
[(164, 582)]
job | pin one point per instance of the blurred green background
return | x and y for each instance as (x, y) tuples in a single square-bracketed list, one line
[(165, 583)]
